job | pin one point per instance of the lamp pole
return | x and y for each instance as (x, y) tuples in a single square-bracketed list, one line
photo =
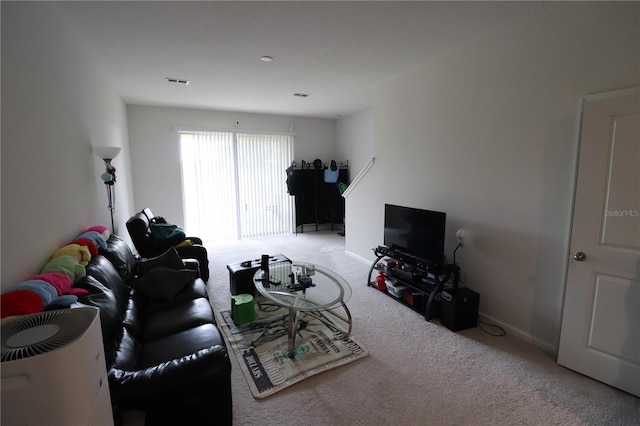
[(111, 192), (108, 153)]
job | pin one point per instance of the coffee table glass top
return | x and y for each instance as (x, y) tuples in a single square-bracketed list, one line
[(329, 290)]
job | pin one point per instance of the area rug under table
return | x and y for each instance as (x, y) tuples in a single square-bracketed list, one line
[(262, 350)]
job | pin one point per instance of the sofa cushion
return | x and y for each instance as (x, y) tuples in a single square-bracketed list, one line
[(178, 345), (120, 255), (177, 318), (103, 270), (163, 283), (103, 298), (126, 355), (192, 290), (133, 319), (169, 259)]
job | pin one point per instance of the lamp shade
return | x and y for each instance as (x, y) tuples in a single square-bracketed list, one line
[(106, 152)]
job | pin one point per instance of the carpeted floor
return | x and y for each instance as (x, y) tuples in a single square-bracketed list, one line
[(418, 373)]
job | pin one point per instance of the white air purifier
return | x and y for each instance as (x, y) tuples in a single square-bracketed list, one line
[(53, 369)]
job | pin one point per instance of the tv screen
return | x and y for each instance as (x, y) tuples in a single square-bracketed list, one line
[(417, 232)]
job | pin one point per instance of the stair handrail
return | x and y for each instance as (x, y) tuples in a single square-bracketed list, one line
[(358, 178)]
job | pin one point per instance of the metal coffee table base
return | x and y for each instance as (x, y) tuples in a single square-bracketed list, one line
[(293, 325)]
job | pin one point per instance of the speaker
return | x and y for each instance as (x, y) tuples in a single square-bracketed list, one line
[(460, 308)]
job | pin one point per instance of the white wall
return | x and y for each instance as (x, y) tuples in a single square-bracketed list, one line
[(356, 136), (489, 134), (155, 151), (55, 106)]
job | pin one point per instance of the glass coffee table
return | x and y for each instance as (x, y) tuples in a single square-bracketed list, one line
[(304, 288)]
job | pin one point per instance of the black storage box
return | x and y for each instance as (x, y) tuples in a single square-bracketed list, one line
[(460, 308), (241, 277)]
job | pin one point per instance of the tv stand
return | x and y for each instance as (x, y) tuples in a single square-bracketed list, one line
[(423, 278)]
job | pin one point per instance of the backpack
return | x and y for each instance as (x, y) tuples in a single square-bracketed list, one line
[(165, 235)]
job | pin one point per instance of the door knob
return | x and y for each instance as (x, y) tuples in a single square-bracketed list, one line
[(579, 256)]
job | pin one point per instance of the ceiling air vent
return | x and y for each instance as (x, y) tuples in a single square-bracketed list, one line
[(177, 81)]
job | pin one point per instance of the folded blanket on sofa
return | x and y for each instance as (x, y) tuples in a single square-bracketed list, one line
[(79, 252), (94, 236), (67, 265), (46, 291), (53, 287), (89, 244), (20, 302), (61, 282), (104, 232)]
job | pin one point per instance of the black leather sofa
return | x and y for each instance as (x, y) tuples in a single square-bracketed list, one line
[(165, 357), (139, 227)]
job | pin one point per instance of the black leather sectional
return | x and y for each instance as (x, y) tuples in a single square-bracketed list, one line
[(165, 356), (139, 227)]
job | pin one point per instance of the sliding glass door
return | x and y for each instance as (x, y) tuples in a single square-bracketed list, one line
[(234, 184)]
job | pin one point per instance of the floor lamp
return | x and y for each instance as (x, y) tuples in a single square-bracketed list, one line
[(108, 153)]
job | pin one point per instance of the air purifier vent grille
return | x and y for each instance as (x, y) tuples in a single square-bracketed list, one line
[(32, 335)]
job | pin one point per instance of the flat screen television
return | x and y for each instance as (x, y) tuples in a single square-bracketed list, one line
[(417, 232)]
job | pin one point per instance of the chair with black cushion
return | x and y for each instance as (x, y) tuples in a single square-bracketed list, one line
[(139, 227)]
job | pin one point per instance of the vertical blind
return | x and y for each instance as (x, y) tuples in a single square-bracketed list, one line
[(234, 184)]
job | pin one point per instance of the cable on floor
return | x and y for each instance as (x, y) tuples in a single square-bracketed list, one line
[(501, 332)]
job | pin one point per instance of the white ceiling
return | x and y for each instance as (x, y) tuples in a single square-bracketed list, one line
[(336, 52)]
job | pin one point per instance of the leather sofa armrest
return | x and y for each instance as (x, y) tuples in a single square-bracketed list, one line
[(195, 240), (193, 265), (190, 374), (199, 253), (194, 251)]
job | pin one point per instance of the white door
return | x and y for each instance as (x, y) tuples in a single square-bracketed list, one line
[(600, 334)]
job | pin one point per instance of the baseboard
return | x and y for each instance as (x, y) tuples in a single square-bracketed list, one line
[(358, 257), (546, 347), (550, 349)]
